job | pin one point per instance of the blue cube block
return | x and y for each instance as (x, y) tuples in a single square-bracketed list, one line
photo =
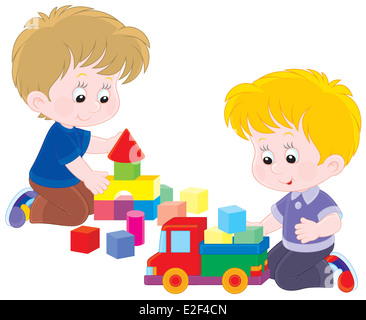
[(232, 219), (149, 207), (120, 244)]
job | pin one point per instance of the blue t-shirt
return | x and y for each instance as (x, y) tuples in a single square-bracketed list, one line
[(60, 147)]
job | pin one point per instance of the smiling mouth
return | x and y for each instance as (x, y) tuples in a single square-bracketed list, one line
[(288, 183), (81, 119)]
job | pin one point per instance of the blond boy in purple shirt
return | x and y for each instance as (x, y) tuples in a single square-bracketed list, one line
[(304, 130)]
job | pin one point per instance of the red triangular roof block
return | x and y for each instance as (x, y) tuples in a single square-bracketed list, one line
[(126, 150)]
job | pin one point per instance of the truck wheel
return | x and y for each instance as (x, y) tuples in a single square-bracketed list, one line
[(175, 280), (235, 280)]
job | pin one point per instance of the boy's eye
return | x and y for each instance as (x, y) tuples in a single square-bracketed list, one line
[(267, 157), (292, 155), (79, 95), (103, 96)]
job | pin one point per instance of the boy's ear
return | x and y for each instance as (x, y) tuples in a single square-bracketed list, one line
[(37, 100), (334, 164)]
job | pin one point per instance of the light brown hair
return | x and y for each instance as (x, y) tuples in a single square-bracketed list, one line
[(41, 53)]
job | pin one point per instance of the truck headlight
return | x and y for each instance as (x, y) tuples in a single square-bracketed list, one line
[(151, 271)]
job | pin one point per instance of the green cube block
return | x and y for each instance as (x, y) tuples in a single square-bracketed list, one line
[(252, 235), (127, 171), (215, 265), (166, 193)]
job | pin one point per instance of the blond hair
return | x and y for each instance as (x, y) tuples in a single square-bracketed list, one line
[(41, 53), (330, 117)]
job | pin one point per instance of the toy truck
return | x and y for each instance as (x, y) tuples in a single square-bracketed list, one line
[(184, 258)]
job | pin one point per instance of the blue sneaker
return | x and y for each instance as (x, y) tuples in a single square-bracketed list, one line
[(18, 209)]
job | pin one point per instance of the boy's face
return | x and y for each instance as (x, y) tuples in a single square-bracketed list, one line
[(286, 161), (82, 97)]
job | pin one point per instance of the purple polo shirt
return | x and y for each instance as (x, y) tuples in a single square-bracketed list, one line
[(312, 204)]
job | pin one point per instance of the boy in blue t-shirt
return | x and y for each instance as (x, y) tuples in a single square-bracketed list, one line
[(69, 74)]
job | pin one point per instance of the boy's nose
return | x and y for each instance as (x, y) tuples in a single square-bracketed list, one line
[(275, 167), (94, 107)]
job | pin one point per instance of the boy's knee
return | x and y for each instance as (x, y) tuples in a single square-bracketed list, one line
[(78, 215), (283, 279)]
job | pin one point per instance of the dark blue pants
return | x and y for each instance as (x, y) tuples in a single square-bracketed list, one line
[(296, 270)]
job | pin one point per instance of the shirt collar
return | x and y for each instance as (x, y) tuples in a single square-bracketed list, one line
[(308, 195)]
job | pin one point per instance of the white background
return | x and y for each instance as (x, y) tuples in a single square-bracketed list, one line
[(175, 111)]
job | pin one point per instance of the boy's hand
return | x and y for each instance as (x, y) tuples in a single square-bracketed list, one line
[(307, 230), (112, 141), (96, 182)]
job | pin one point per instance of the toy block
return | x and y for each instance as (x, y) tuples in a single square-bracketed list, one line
[(216, 236), (252, 234), (196, 198), (120, 244), (166, 193), (149, 207), (222, 249), (136, 226), (122, 205), (85, 239), (142, 188), (127, 171), (126, 149), (213, 265), (171, 209), (232, 219), (103, 210)]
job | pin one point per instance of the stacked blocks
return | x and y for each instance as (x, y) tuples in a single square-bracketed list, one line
[(122, 205), (149, 207), (85, 239), (145, 189), (171, 209), (136, 226), (103, 210), (166, 193), (127, 171), (142, 188), (196, 198), (232, 219), (233, 245), (214, 235), (215, 265), (252, 234), (120, 244)]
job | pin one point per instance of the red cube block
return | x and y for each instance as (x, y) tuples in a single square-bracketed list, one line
[(85, 239)]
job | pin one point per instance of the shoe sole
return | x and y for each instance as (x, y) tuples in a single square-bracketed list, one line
[(12, 202), (349, 266)]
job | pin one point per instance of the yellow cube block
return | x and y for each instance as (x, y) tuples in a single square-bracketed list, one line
[(196, 198), (142, 188), (214, 235)]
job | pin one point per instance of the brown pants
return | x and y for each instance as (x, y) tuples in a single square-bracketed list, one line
[(62, 206)]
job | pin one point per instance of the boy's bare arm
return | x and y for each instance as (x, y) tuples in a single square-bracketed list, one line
[(269, 224), (99, 145), (309, 230), (95, 181)]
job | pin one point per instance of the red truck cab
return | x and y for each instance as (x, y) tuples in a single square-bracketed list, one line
[(179, 246)]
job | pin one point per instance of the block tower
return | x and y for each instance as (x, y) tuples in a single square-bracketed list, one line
[(144, 190), (233, 243)]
